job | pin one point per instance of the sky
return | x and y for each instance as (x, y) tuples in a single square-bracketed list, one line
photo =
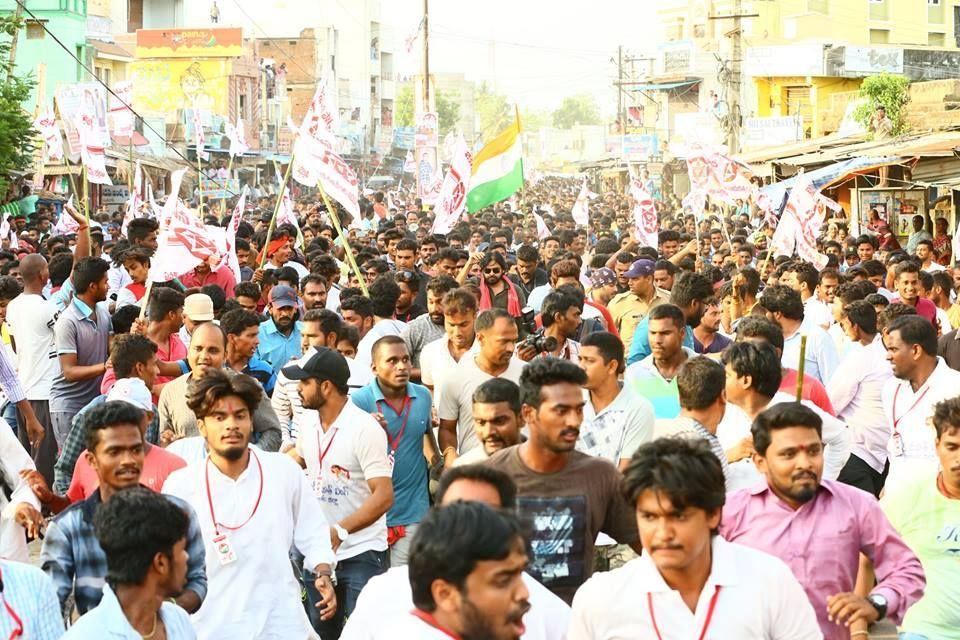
[(535, 52)]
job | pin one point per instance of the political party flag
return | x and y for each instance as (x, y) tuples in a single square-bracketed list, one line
[(46, 124), (230, 235), (543, 231), (581, 208), (135, 201), (800, 225), (409, 41), (183, 244), (497, 170), (237, 137), (453, 191), (409, 164), (120, 113), (91, 151), (65, 225), (646, 227), (198, 138)]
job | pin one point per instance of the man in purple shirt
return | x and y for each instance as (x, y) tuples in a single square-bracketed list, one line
[(820, 528)]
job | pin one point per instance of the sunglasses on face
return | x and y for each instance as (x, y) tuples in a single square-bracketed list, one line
[(406, 276), (492, 272)]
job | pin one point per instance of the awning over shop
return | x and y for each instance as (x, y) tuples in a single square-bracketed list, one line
[(663, 86), (826, 176)]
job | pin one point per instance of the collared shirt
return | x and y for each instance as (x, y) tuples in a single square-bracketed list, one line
[(436, 362), (645, 380), (817, 312), (540, 278), (30, 592), (9, 382), (72, 556), (924, 306), (222, 277), (262, 373), (628, 309), (85, 332), (286, 514), (640, 343), (277, 349), (908, 416), (418, 334), (389, 595), (686, 427), (405, 431), (822, 542), (821, 356), (107, 620), (617, 430), (855, 392), (386, 327), (758, 598)]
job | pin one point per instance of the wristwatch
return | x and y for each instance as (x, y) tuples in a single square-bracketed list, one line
[(879, 603), (343, 534)]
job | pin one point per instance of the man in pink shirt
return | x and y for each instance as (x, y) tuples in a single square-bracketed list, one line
[(908, 291), (203, 275), (820, 527), (157, 464)]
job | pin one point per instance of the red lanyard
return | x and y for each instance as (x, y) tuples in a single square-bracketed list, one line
[(706, 623), (323, 454), (896, 420), (217, 525), (405, 410), (430, 620), (18, 630)]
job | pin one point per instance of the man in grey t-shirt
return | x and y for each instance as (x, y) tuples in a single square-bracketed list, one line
[(82, 334)]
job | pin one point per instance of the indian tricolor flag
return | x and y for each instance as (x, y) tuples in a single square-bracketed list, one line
[(497, 170)]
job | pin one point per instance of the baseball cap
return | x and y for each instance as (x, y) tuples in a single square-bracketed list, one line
[(198, 307), (132, 391), (603, 276), (641, 267), (283, 296), (320, 363)]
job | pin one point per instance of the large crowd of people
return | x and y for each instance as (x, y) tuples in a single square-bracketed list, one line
[(501, 432)]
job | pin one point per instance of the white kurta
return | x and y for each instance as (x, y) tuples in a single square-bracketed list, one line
[(256, 597), (13, 459)]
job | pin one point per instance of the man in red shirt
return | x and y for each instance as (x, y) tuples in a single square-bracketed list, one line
[(203, 275), (908, 290)]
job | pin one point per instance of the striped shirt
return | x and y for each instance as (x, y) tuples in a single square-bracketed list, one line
[(30, 593), (686, 427)]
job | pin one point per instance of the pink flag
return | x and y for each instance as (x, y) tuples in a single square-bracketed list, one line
[(645, 224), (453, 193), (230, 255), (543, 231), (46, 124), (120, 113), (91, 151), (800, 224)]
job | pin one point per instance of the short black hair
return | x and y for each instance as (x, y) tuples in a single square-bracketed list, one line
[(528, 254), (129, 349), (781, 298), (689, 288), (237, 321), (757, 327), (862, 314), (609, 346), (668, 312), (487, 318), (907, 266), (247, 290), (545, 372), (349, 333), (163, 301), (781, 416), (384, 293), (9, 288), (140, 228), (363, 307), (451, 541), (439, 285), (216, 294), (557, 302), (329, 321), (114, 413), (132, 527), (87, 272), (204, 392), (497, 479), (496, 390), (700, 382), (684, 470), (946, 416), (915, 329), (806, 274), (759, 361)]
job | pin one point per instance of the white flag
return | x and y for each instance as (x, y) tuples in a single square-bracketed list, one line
[(120, 113), (230, 235), (543, 231), (135, 201), (800, 224), (91, 152), (46, 124), (581, 208), (183, 244), (198, 137), (65, 225), (646, 227), (237, 137), (453, 193)]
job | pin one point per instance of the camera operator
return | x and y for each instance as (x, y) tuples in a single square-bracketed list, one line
[(561, 321)]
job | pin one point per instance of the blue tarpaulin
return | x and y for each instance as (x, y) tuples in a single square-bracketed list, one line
[(825, 176)]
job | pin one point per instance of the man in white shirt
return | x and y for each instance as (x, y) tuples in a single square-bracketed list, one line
[(855, 393), (804, 278), (21, 512), (921, 380), (31, 318), (482, 594), (784, 307), (253, 506), (689, 582), (440, 356), (389, 595), (496, 419), (384, 293), (344, 451)]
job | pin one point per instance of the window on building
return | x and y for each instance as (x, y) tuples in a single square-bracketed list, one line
[(933, 3), (820, 6), (35, 30), (936, 39), (879, 36)]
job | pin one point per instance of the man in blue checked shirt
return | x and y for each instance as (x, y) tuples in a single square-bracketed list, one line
[(71, 554), (29, 608)]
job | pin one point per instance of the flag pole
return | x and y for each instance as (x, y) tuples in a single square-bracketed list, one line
[(276, 211), (86, 201), (223, 202), (343, 238), (200, 184), (800, 366)]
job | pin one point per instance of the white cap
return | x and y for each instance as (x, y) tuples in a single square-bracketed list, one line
[(132, 391)]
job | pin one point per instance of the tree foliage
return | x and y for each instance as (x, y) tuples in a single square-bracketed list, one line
[(579, 109), (16, 125), (888, 90), (493, 110), (447, 103), (535, 119)]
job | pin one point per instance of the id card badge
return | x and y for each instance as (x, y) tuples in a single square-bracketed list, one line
[(225, 553), (896, 445), (392, 459)]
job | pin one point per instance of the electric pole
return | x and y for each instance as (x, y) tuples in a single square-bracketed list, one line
[(733, 83), (622, 120), (426, 56)]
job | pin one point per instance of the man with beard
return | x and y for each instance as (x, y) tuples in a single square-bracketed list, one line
[(442, 355), (569, 497), (71, 554), (253, 506), (280, 334), (676, 487), (497, 291), (429, 326), (691, 292), (243, 336), (466, 578), (315, 291), (529, 274), (403, 409), (350, 475), (496, 419), (820, 527)]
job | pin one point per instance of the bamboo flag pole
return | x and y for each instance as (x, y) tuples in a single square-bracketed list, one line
[(223, 202), (343, 238), (86, 202), (801, 366), (276, 211)]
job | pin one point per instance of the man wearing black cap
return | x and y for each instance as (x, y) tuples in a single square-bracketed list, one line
[(280, 334), (630, 307), (345, 455)]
